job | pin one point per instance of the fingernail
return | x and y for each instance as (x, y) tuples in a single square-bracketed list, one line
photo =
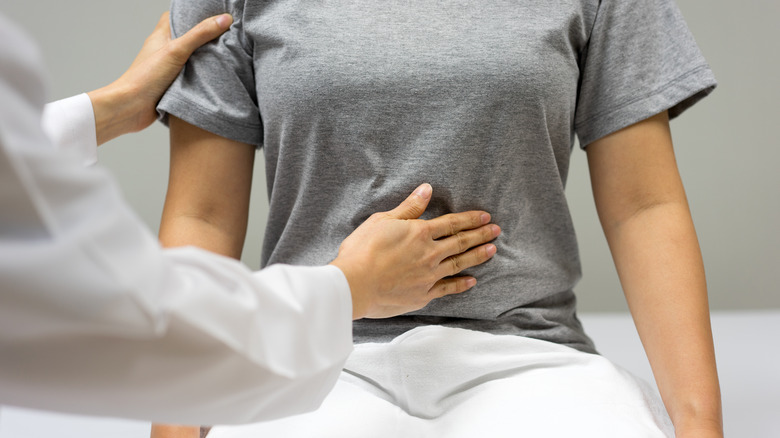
[(496, 230), (490, 250), (224, 21), (424, 191), (485, 218), (470, 282)]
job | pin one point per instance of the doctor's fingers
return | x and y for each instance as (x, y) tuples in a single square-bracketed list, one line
[(452, 285), (453, 223), (473, 257), (182, 47), (465, 240)]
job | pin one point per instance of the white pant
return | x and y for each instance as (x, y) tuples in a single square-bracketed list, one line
[(444, 382)]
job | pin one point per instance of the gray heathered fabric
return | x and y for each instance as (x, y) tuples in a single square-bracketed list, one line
[(356, 103)]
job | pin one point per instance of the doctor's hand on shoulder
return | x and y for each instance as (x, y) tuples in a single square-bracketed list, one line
[(396, 263), (129, 103)]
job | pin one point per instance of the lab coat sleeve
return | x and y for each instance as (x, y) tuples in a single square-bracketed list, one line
[(70, 124), (96, 318)]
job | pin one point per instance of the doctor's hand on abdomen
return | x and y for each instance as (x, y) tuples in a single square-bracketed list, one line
[(396, 263)]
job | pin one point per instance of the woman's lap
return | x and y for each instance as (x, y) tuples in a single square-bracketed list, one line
[(444, 382)]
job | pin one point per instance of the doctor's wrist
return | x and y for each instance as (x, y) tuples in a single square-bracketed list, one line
[(358, 288), (114, 112)]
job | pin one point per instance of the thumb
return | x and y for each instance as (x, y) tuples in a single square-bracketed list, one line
[(414, 205), (202, 33)]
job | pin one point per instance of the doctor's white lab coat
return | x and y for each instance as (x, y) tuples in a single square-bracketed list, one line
[(96, 318)]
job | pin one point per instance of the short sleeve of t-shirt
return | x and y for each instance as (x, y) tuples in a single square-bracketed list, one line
[(216, 89), (640, 60)]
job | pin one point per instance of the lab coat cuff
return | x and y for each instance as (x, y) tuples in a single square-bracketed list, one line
[(70, 124), (341, 290), (329, 293), (324, 301)]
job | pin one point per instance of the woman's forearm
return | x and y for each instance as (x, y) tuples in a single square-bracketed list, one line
[(657, 256), (644, 212)]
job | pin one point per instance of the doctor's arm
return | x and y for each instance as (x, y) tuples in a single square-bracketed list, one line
[(644, 212), (96, 319)]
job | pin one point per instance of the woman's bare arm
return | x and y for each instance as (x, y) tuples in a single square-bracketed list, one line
[(207, 204), (645, 216)]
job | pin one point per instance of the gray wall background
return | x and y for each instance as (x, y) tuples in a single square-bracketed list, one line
[(726, 146)]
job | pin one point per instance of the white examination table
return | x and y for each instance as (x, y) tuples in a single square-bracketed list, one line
[(746, 343)]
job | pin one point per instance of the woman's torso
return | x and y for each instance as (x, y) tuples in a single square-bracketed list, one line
[(361, 104)]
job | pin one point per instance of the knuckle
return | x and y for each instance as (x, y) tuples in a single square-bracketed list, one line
[(431, 262), (375, 217), (454, 286), (416, 209), (473, 258), (463, 243), (438, 290), (481, 255), (476, 219), (422, 231), (452, 224), (451, 286), (455, 265)]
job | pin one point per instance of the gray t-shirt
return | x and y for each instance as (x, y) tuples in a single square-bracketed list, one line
[(356, 103)]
